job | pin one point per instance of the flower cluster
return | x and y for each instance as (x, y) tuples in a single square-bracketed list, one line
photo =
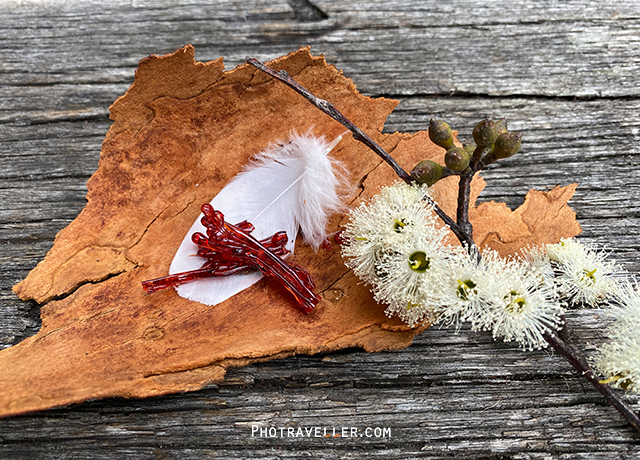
[(394, 244)]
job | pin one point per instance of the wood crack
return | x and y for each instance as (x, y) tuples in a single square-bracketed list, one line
[(532, 96)]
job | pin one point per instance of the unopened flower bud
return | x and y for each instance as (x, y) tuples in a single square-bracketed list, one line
[(457, 159), (440, 133), (501, 125), (427, 172), (485, 132), (507, 144)]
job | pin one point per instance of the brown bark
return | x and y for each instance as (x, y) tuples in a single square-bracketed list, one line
[(180, 133)]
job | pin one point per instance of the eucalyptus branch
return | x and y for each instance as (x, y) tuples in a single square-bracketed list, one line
[(493, 142), (579, 362)]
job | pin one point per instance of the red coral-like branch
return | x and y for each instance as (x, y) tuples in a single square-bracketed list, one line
[(230, 249)]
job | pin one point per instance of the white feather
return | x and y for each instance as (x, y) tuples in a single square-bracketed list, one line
[(283, 188)]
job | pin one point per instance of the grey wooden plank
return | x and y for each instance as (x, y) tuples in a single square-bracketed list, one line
[(589, 50), (379, 391), (460, 396)]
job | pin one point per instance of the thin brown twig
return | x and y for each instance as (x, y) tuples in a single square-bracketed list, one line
[(329, 109), (579, 362)]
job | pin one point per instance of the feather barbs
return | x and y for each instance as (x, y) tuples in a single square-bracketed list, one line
[(319, 185)]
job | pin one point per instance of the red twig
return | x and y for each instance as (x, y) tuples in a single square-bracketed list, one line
[(230, 249)]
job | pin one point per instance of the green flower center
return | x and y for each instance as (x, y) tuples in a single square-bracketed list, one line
[(419, 262), (588, 277), (515, 302), (399, 224), (465, 288)]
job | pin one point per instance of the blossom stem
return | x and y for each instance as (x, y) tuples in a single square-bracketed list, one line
[(455, 228), (462, 216), (334, 113), (579, 362)]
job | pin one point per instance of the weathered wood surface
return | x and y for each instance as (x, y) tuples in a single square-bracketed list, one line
[(565, 73)]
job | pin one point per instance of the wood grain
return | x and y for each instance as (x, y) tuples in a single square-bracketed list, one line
[(563, 72)]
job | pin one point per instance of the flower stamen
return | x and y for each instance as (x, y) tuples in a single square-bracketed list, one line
[(588, 277), (465, 288), (515, 302), (419, 262), (399, 225)]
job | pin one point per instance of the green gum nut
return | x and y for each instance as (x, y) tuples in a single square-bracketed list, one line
[(440, 133), (501, 125), (507, 144), (486, 132), (427, 172), (457, 159)]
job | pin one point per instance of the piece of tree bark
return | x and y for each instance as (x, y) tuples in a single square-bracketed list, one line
[(180, 133)]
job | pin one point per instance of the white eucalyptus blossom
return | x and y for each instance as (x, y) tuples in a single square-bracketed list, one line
[(412, 276), (583, 274), (393, 243), (461, 294), (514, 304), (619, 360), (374, 225)]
